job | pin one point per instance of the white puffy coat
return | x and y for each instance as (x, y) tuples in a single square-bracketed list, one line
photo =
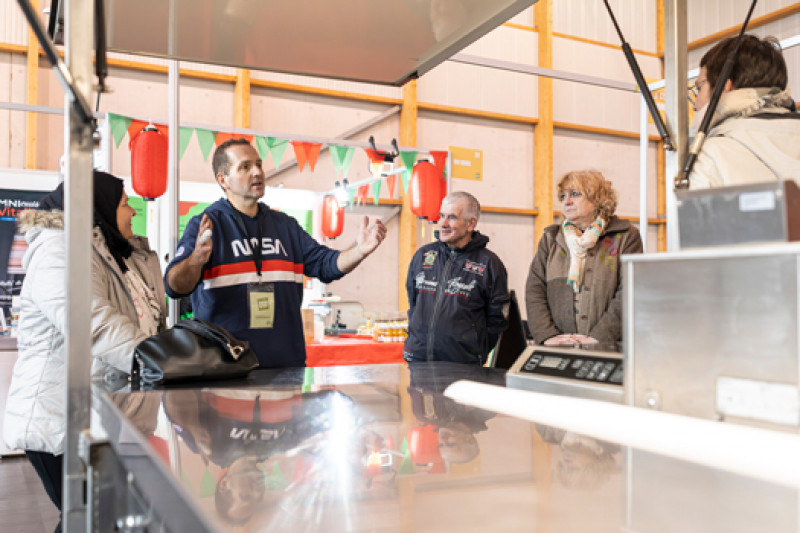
[(741, 148), (35, 416)]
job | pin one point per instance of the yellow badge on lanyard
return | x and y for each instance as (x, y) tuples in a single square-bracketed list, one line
[(262, 305)]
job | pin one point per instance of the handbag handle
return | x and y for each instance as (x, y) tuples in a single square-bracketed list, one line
[(215, 334)]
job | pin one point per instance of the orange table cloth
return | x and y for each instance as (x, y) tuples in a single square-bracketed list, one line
[(333, 351)]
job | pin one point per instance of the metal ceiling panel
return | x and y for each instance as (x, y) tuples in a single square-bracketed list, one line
[(379, 41)]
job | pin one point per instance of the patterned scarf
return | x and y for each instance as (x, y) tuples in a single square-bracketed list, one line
[(579, 243)]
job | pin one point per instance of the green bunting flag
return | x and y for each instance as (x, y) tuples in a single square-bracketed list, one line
[(276, 148), (185, 137), (405, 177), (406, 466), (351, 197), (119, 127), (408, 159), (208, 485), (206, 140), (261, 146), (376, 191), (275, 479), (342, 158)]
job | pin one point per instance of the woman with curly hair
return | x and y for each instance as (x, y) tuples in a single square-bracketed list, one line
[(574, 288)]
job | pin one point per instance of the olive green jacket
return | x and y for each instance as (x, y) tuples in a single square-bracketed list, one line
[(549, 300)]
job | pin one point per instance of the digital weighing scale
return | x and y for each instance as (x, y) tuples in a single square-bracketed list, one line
[(569, 371)]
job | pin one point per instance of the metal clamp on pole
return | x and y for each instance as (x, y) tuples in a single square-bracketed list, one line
[(682, 180)]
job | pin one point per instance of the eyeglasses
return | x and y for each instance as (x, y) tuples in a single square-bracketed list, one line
[(697, 86), (572, 194)]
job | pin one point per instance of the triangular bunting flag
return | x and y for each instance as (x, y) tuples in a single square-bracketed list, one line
[(262, 147), (363, 190), (300, 153), (275, 480), (135, 127), (185, 137), (207, 485), (306, 152), (222, 137), (406, 465), (276, 149), (389, 443), (206, 140), (119, 127), (351, 195), (342, 157), (408, 159), (376, 192), (390, 183), (405, 177), (439, 159), (313, 154), (404, 446)]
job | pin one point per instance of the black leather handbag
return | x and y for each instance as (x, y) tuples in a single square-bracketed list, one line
[(193, 350)]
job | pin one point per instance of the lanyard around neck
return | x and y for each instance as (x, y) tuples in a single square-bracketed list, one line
[(257, 251)]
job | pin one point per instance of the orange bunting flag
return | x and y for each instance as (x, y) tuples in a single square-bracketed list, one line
[(363, 190), (390, 183), (135, 127), (222, 137), (306, 152), (439, 159)]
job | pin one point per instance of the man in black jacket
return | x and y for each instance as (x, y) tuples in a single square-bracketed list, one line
[(457, 290)]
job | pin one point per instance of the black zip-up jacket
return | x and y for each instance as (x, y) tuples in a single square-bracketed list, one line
[(458, 302)]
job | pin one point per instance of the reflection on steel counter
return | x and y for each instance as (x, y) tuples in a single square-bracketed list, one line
[(334, 449)]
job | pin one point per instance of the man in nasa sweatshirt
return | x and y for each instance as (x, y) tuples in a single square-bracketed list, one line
[(253, 291)]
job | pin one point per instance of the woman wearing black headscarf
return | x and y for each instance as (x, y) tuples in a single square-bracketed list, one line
[(128, 305)]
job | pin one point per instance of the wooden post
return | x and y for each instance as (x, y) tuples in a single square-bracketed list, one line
[(241, 99), (408, 222), (32, 96), (661, 161), (543, 131)]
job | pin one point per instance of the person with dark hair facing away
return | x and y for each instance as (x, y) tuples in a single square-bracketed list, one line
[(457, 290), (754, 135), (128, 305), (574, 289), (243, 263)]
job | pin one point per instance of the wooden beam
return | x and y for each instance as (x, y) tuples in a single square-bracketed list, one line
[(602, 131), (330, 93), (661, 156), (463, 111), (32, 95), (509, 210), (580, 39), (241, 99), (543, 132), (773, 16), (661, 198), (660, 32), (408, 222)]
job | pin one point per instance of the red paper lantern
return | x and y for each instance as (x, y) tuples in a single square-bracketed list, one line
[(423, 444), (425, 190), (149, 154), (332, 217)]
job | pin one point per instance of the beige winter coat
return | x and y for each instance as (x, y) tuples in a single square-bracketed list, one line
[(35, 418)]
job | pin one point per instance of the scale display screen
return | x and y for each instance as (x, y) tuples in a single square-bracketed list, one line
[(578, 366)]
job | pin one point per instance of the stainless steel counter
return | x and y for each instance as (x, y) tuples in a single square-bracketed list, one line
[(379, 448)]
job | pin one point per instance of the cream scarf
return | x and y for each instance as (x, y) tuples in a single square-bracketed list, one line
[(579, 243)]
